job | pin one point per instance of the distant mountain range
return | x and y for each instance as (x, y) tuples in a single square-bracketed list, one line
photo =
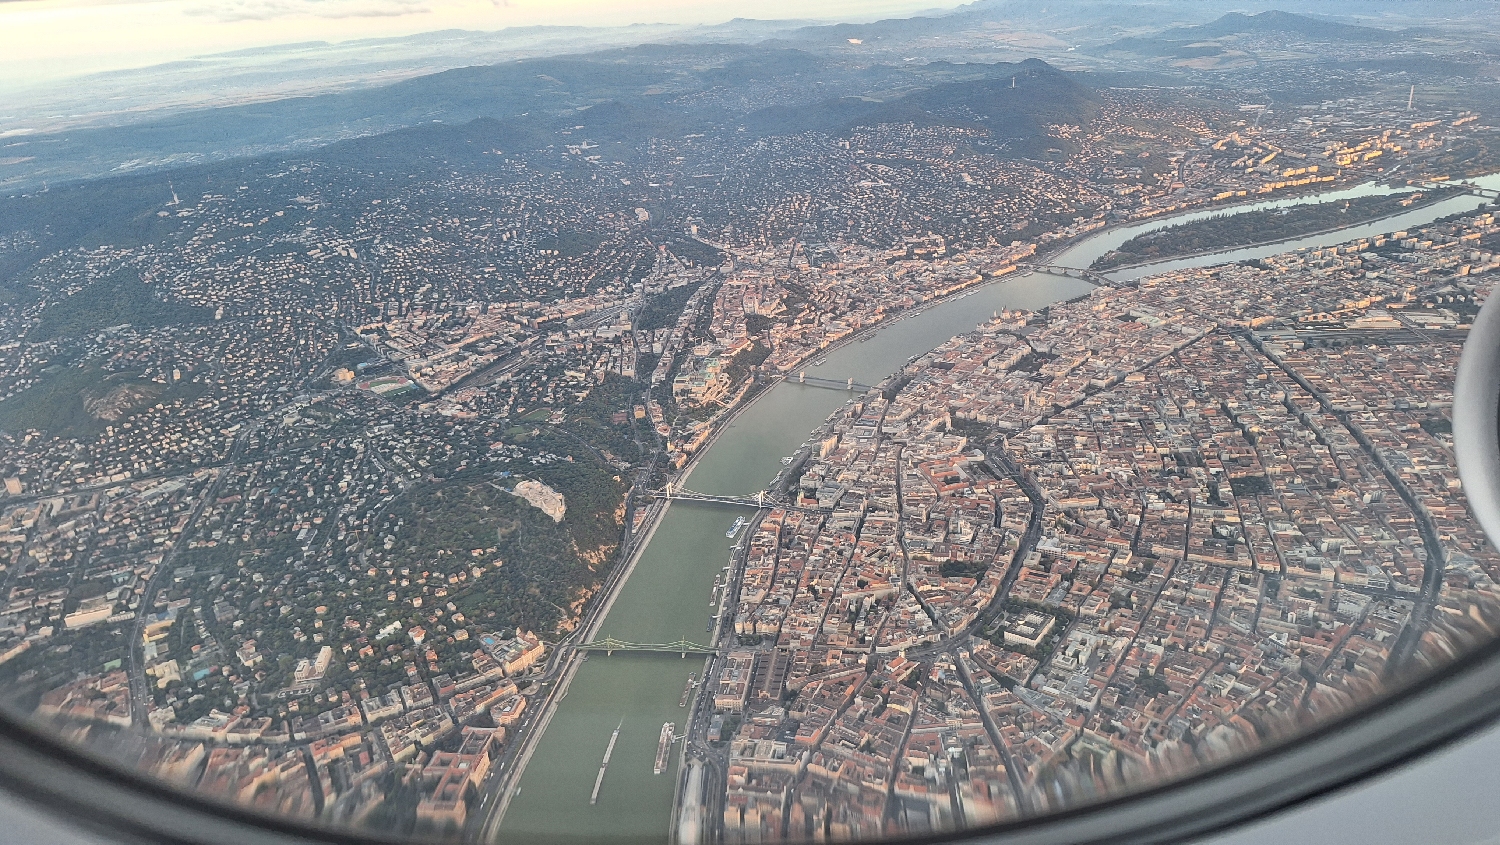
[(261, 74), (1283, 23), (1015, 103), (619, 95), (308, 94), (759, 77), (1186, 41)]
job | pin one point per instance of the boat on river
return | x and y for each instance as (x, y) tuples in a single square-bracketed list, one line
[(739, 522), (664, 747), (608, 750)]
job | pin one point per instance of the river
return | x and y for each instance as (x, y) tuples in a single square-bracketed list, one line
[(667, 596), (1088, 250)]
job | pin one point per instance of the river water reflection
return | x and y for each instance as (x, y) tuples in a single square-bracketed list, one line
[(667, 596)]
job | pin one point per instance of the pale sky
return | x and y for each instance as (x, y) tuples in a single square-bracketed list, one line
[(42, 39)]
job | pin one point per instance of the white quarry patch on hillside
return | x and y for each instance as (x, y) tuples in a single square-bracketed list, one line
[(542, 497)]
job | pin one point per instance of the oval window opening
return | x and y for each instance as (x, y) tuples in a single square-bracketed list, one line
[(711, 424)]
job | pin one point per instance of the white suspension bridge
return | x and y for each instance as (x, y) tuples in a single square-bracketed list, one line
[(610, 645), (761, 499)]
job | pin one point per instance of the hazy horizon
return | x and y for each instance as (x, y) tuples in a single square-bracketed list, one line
[(46, 41)]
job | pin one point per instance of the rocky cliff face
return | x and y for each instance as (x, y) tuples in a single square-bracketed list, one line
[(543, 498)]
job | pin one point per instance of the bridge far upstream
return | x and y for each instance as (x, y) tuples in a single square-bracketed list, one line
[(1467, 187)]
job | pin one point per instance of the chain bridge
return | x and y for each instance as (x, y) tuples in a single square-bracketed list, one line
[(848, 384)]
